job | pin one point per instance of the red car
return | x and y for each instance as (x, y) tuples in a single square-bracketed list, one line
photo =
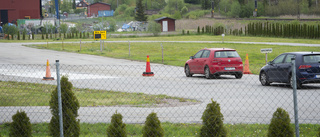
[(214, 62)]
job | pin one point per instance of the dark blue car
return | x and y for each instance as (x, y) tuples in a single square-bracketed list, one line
[(280, 69)]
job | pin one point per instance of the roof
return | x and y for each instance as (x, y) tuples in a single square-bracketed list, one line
[(303, 52), (163, 18), (100, 3), (215, 49)]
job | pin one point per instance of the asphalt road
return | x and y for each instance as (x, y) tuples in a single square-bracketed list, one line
[(241, 100)]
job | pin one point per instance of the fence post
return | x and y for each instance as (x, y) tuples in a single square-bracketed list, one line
[(295, 101), (59, 99), (80, 46), (129, 48), (162, 52)]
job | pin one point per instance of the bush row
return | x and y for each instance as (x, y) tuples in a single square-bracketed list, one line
[(283, 30)]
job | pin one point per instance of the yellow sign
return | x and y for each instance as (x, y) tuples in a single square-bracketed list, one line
[(100, 35), (212, 11), (255, 9)]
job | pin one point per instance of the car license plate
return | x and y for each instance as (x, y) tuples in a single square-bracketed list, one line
[(229, 68), (317, 76)]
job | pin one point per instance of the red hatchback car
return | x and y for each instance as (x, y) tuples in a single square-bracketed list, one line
[(214, 62)]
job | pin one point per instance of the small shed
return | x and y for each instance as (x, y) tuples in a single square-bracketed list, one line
[(93, 9), (167, 24)]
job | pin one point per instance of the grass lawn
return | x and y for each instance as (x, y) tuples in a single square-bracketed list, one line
[(170, 129), (15, 94), (177, 54)]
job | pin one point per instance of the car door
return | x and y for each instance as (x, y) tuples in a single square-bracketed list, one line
[(202, 61), (284, 69), (194, 62), (274, 66)]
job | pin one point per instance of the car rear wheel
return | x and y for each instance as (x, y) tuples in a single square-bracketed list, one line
[(299, 85), (238, 76), (207, 73), (264, 79), (187, 71)]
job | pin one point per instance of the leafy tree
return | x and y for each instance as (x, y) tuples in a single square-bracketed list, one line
[(20, 126), (140, 15), (70, 106), (235, 9), (174, 5), (192, 1), (74, 4), (280, 124), (184, 10), (154, 27), (152, 126), (177, 15), (212, 125), (10, 30), (206, 4), (117, 127)]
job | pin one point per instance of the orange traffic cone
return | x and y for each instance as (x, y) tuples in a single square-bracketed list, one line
[(148, 70), (48, 73), (246, 66)]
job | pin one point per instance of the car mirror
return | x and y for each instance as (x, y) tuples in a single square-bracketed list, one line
[(270, 63), (191, 57)]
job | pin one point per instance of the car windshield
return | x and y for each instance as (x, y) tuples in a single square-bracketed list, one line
[(226, 54), (311, 59)]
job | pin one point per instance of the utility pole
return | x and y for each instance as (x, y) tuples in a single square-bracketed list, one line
[(57, 11)]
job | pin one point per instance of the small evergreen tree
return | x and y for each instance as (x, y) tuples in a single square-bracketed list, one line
[(24, 34), (198, 30), (140, 15), (117, 127), (280, 124), (152, 126), (212, 125), (42, 36), (18, 35), (32, 34), (20, 126), (70, 106)]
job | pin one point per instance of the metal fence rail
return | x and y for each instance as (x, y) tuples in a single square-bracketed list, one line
[(242, 101)]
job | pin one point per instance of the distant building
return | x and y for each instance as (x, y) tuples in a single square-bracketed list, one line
[(11, 10), (93, 9), (167, 24), (82, 5)]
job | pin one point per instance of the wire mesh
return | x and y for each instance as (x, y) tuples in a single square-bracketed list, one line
[(178, 101)]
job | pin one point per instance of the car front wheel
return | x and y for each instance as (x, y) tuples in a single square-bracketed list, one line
[(187, 71), (264, 79)]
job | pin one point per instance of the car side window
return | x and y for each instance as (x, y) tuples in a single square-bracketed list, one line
[(279, 59), (198, 54), (206, 54), (288, 58)]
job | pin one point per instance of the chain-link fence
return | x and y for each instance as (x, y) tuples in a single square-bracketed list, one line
[(178, 101)]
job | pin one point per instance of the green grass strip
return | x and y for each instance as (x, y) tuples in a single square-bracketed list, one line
[(31, 94)]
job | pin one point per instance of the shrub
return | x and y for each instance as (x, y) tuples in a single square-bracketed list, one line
[(152, 126), (18, 35), (154, 27), (117, 127), (212, 125), (280, 124), (20, 126), (319, 132), (70, 106)]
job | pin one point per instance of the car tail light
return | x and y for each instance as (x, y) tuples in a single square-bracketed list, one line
[(239, 60), (304, 66)]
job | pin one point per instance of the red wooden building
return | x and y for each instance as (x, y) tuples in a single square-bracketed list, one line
[(11, 10), (167, 24), (95, 7)]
